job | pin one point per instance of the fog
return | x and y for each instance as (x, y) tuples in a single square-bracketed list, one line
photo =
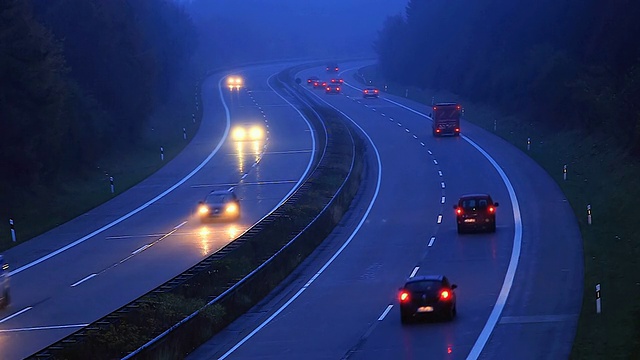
[(255, 30)]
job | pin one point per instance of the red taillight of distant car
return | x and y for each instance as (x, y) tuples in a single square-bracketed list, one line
[(328, 88), (459, 211), (445, 295), (375, 91), (404, 296), (492, 209), (437, 130), (457, 130), (337, 89)]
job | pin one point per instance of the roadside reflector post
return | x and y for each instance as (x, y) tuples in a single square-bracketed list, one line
[(13, 230), (184, 133), (598, 304), (495, 125), (193, 117), (406, 93), (589, 214), (386, 88), (433, 100), (528, 143), (161, 153), (113, 188), (564, 172)]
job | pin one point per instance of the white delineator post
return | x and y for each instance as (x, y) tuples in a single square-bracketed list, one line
[(598, 304), (495, 125), (113, 188), (406, 93), (589, 214), (529, 143), (13, 230), (161, 153), (564, 172), (184, 133)]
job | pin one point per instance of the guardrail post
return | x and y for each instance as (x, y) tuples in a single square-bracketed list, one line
[(589, 214), (13, 230), (598, 304)]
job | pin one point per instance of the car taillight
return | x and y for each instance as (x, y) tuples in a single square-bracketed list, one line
[(459, 211), (404, 296), (444, 295), (337, 89), (457, 130), (492, 209), (328, 88), (437, 130)]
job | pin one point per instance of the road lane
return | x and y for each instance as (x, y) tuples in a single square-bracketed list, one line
[(340, 314), (164, 238)]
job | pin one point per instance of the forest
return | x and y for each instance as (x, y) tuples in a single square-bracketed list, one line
[(79, 78), (566, 64)]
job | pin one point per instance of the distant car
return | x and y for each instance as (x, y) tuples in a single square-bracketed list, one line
[(312, 79), (234, 82), (332, 67), (332, 89), (319, 84), (370, 92), (248, 132), (427, 295), (476, 212), (4, 283), (337, 81), (219, 204)]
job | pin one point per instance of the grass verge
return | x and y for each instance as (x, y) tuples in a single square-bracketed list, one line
[(599, 173)]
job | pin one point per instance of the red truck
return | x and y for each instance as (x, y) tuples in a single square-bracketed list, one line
[(446, 119)]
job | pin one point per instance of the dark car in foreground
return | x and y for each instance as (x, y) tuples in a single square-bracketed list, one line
[(476, 212), (219, 204), (370, 92), (427, 296)]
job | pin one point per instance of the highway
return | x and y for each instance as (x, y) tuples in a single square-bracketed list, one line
[(102, 260), (519, 289)]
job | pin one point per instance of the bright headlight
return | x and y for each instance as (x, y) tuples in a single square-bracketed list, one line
[(255, 133), (239, 134), (203, 209), (231, 208)]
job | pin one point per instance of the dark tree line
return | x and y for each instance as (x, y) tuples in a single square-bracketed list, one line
[(78, 78), (572, 64)]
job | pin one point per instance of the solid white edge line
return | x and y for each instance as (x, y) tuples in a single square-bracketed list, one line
[(386, 311), (513, 262), (83, 280), (180, 225), (143, 206), (338, 252), (16, 314)]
